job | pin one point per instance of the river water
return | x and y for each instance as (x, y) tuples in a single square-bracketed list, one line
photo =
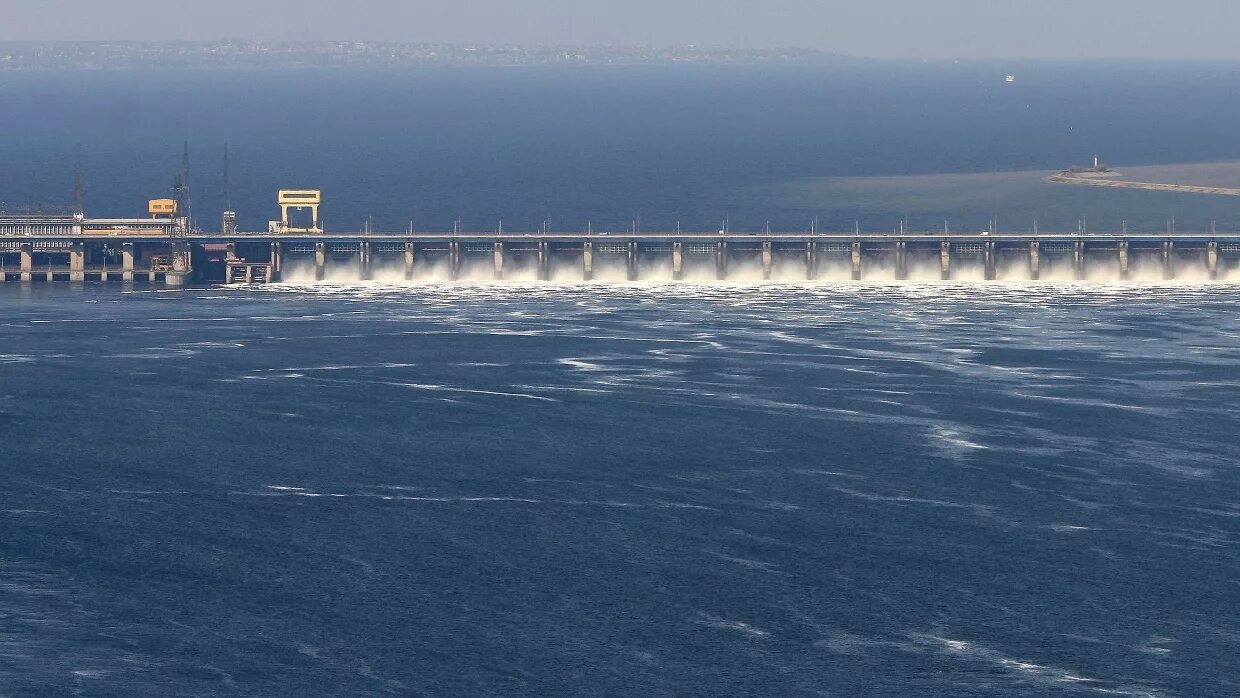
[(601, 489), (872, 144)]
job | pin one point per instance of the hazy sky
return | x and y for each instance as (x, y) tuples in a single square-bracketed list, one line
[(916, 28)]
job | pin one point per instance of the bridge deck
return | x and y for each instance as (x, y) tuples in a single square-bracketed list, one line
[(203, 237)]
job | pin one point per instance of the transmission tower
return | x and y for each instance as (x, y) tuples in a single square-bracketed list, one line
[(230, 216), (183, 189)]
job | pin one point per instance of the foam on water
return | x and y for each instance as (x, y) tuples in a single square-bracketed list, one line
[(973, 460)]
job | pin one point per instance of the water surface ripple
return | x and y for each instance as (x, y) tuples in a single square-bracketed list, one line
[(509, 489)]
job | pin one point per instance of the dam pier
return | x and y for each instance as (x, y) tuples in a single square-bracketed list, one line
[(163, 249), (67, 255)]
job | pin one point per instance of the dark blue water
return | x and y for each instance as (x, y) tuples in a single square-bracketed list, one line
[(603, 490), (508, 489), (623, 146)]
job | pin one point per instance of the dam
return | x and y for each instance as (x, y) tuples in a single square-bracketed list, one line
[(163, 248)]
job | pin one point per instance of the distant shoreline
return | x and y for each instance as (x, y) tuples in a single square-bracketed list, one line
[(1066, 177), (106, 55)]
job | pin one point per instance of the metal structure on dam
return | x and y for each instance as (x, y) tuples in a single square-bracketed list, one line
[(163, 249)]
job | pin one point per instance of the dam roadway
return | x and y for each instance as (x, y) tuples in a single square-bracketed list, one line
[(161, 251)]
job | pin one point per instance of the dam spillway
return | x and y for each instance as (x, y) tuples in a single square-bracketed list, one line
[(160, 251)]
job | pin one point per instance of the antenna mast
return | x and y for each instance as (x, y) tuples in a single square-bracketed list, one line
[(186, 205), (79, 187), (227, 183)]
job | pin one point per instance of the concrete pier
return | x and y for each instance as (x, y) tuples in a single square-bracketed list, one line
[(856, 260), (1078, 260), (363, 261), (77, 262), (182, 270), (544, 260), (721, 260), (901, 260), (1212, 259), (277, 261), (1168, 260), (1123, 260), (945, 261), (988, 260), (454, 259), (767, 260), (587, 261), (678, 261), (1035, 260), (320, 261), (27, 262), (409, 259), (497, 272), (127, 262), (630, 261), (811, 260)]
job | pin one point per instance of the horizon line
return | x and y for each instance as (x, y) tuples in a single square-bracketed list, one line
[(808, 51)]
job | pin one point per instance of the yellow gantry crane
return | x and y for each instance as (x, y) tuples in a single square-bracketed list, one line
[(297, 200)]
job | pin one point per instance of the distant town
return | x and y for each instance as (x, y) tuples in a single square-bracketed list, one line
[(276, 54)]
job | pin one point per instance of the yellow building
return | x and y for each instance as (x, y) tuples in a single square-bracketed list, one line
[(162, 207)]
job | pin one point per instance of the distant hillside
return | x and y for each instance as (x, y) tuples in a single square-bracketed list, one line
[(253, 54)]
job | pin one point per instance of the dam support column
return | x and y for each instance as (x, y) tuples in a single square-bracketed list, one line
[(77, 261), (454, 260), (230, 255), (1123, 260), (631, 261), (856, 260), (678, 261), (945, 261), (1078, 260), (988, 258), (544, 260), (275, 271), (409, 260), (587, 261), (1035, 260), (363, 260), (498, 264), (182, 265), (27, 257), (320, 261), (721, 260), (1168, 260), (767, 260), (1212, 260), (811, 261), (901, 260), (127, 261)]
